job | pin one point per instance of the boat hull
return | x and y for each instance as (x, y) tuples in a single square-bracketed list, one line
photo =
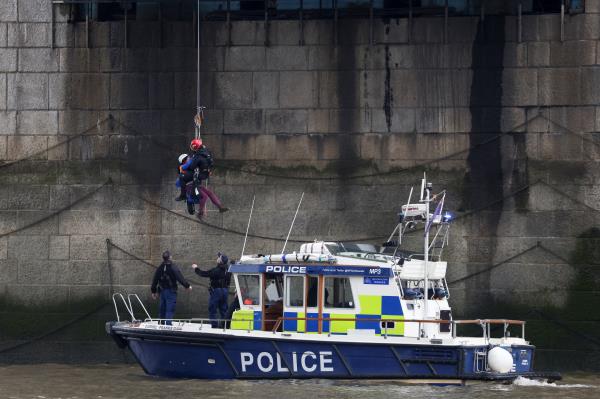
[(179, 354)]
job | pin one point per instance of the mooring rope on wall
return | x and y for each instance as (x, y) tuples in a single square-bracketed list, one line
[(538, 245), (149, 264), (514, 130), (59, 144), (58, 211), (281, 239), (566, 327), (169, 148), (54, 330), (351, 177)]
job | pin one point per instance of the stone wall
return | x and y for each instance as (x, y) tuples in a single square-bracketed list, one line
[(90, 129)]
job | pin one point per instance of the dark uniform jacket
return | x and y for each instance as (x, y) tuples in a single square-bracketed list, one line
[(166, 276), (219, 277), (201, 160)]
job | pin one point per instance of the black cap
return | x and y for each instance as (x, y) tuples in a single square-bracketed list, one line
[(166, 255), (224, 258)]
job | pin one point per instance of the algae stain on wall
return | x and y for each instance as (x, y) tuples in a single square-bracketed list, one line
[(484, 176)]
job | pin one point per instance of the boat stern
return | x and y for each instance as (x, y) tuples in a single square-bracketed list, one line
[(502, 363)]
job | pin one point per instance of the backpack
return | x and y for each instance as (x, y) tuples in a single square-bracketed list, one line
[(206, 164), (166, 278)]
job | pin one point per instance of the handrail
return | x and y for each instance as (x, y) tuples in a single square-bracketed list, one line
[(482, 322), (115, 296), (490, 321), (140, 302)]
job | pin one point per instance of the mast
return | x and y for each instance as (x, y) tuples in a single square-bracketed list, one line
[(426, 252)]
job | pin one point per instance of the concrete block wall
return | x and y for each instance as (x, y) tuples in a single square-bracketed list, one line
[(302, 112)]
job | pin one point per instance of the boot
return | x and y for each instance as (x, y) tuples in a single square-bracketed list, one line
[(182, 195), (223, 209), (190, 208)]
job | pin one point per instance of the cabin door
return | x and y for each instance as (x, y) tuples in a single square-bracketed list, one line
[(314, 303), (273, 300)]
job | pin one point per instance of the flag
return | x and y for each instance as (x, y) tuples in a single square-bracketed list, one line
[(436, 214)]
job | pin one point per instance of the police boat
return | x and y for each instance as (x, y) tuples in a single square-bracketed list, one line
[(338, 310)]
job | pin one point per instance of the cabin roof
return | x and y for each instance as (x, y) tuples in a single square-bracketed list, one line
[(329, 270)]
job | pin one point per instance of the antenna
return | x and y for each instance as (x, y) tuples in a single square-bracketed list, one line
[(290, 232), (248, 227), (407, 204)]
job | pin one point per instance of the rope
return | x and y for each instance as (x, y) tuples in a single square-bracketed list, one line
[(240, 233), (352, 177), (304, 178), (509, 259), (146, 263), (55, 330), (59, 211), (67, 141), (199, 109), (566, 327), (68, 323)]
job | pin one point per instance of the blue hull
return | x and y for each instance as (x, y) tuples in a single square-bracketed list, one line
[(220, 356)]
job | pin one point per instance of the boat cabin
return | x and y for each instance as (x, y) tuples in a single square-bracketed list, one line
[(331, 288)]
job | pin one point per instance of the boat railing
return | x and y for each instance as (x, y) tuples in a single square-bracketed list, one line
[(115, 298), (485, 324), (137, 299), (128, 304)]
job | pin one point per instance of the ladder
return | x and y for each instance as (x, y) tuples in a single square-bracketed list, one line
[(439, 241)]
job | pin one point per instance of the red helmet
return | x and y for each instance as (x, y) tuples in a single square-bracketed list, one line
[(196, 144)]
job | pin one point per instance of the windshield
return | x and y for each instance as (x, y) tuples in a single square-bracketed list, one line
[(344, 247), (355, 249)]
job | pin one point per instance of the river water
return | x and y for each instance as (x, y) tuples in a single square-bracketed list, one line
[(128, 381)]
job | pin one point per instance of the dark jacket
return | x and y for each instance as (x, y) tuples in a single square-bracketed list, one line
[(219, 277), (166, 276), (201, 160)]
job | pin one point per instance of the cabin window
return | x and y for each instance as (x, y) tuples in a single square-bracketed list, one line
[(295, 291), (338, 293), (313, 291), (273, 288), (249, 289)]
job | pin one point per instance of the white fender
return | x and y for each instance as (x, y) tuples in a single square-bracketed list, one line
[(500, 360)]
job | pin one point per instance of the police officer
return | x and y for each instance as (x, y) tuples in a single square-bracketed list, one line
[(166, 277), (219, 287)]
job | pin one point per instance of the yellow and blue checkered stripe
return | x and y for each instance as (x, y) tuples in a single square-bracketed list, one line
[(374, 308), (246, 320)]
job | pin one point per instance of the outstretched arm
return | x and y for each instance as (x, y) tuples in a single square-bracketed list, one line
[(205, 273), (180, 277)]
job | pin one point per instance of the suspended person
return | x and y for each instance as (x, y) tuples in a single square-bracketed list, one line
[(197, 167), (165, 280), (219, 288), (191, 199)]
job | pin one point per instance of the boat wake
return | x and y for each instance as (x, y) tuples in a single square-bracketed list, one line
[(526, 382)]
